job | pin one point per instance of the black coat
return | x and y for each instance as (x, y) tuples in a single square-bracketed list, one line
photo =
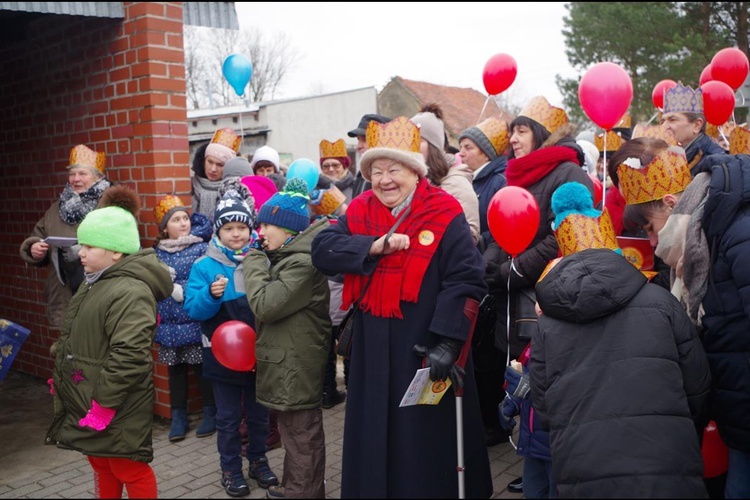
[(619, 376), (488, 182)]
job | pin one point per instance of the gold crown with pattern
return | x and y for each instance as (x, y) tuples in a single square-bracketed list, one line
[(682, 99), (614, 141), (82, 156), (579, 232), (739, 141), (399, 133), (332, 149), (542, 112), (655, 132), (624, 122), (668, 173), (496, 132), (166, 205), (227, 137)]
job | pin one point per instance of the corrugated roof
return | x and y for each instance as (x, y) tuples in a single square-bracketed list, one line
[(210, 15)]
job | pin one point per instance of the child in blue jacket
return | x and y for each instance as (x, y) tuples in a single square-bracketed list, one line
[(216, 294)]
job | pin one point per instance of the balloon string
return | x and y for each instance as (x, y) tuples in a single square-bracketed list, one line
[(655, 115), (721, 131), (604, 174), (242, 131), (483, 108), (507, 318)]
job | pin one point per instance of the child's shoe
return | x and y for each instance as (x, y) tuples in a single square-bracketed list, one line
[(261, 472), (275, 492), (179, 425), (234, 483)]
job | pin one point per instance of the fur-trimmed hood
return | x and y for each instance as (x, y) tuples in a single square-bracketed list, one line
[(565, 136)]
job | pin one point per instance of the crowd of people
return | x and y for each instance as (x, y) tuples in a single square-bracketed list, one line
[(611, 371)]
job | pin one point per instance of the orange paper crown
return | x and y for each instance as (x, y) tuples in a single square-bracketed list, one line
[(399, 133), (227, 137), (739, 141), (668, 173), (165, 205), (682, 99), (614, 141), (579, 232), (624, 121), (497, 133), (332, 149), (541, 111), (82, 156), (654, 131)]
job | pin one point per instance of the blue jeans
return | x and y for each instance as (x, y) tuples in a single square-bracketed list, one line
[(229, 401), (738, 475), (537, 479)]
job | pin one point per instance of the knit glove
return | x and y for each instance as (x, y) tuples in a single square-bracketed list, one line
[(172, 272), (506, 410), (178, 293), (517, 383), (51, 384), (441, 360), (98, 417)]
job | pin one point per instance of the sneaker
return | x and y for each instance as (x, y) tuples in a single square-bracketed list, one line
[(275, 492), (516, 486), (261, 472), (234, 483), (331, 399)]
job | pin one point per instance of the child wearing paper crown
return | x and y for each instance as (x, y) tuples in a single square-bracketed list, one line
[(618, 374), (290, 300), (216, 294), (102, 384), (182, 240)]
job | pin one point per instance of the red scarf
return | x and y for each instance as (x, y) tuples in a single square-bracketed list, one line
[(398, 276), (535, 166)]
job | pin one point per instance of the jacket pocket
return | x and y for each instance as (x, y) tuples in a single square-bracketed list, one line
[(270, 383)]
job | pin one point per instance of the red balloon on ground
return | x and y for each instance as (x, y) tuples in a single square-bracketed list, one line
[(706, 75), (730, 66), (605, 93), (499, 73), (233, 344), (513, 218), (718, 102), (657, 95)]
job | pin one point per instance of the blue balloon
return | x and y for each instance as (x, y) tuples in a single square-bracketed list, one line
[(238, 70), (304, 169)]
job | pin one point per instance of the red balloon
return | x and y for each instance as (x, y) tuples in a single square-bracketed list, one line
[(715, 452), (706, 74), (605, 93), (718, 102), (657, 95), (730, 66), (513, 217), (499, 73), (598, 189), (233, 344)]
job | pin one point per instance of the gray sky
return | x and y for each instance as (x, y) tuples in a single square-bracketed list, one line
[(346, 46)]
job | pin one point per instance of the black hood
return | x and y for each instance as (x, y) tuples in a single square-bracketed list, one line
[(728, 192)]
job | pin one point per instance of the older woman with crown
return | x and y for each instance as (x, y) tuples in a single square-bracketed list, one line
[(701, 229), (410, 265), (86, 183)]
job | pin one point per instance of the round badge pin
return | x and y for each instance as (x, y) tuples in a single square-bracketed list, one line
[(426, 238)]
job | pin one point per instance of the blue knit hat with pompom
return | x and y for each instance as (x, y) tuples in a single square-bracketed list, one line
[(572, 198), (287, 209)]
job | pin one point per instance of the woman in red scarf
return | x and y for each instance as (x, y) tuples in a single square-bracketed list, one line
[(413, 289)]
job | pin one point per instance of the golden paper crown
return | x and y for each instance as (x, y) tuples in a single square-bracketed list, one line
[(668, 173), (614, 141), (497, 133), (739, 141), (166, 204), (654, 131), (330, 201), (399, 133), (624, 121), (682, 99), (227, 137), (541, 111), (82, 156), (332, 149), (579, 232)]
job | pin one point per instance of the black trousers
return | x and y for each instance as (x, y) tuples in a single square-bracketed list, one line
[(329, 379), (178, 385)]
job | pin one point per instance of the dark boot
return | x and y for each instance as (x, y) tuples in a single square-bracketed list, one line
[(208, 425), (179, 425)]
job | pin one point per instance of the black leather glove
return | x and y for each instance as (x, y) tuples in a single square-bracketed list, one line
[(442, 360), (493, 278)]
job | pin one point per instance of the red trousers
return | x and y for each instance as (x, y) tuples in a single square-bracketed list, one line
[(111, 474)]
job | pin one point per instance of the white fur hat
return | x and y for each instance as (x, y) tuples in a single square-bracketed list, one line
[(266, 153)]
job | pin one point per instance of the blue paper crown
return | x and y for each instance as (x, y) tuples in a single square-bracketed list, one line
[(682, 99)]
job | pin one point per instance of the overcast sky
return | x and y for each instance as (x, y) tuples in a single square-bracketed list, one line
[(351, 45)]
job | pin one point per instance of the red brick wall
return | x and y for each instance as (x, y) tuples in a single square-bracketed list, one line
[(115, 85)]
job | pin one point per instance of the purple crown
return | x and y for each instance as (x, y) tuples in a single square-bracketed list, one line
[(681, 99)]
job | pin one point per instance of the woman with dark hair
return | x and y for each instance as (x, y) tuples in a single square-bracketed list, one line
[(208, 169)]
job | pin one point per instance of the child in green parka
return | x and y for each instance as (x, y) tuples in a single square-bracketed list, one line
[(290, 299)]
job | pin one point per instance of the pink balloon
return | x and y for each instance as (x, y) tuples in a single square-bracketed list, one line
[(499, 73), (718, 102), (605, 93), (730, 66), (706, 74), (657, 95)]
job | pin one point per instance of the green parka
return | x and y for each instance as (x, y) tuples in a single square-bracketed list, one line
[(104, 354), (290, 300)]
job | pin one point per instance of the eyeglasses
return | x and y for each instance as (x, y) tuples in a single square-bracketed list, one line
[(331, 166)]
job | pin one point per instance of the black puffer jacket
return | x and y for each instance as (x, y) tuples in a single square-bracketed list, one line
[(620, 378)]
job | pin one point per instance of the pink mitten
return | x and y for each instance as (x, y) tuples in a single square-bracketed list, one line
[(98, 418), (51, 384)]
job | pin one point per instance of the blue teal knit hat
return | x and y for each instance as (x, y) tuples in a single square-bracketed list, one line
[(287, 209)]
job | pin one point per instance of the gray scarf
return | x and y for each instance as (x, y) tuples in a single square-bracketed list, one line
[(205, 196), (683, 230), (74, 207)]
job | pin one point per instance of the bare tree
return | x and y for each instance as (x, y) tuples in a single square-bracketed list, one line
[(272, 57)]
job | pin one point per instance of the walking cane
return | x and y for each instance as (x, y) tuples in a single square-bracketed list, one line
[(471, 309)]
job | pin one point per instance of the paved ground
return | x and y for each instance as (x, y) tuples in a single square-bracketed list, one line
[(188, 469)]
